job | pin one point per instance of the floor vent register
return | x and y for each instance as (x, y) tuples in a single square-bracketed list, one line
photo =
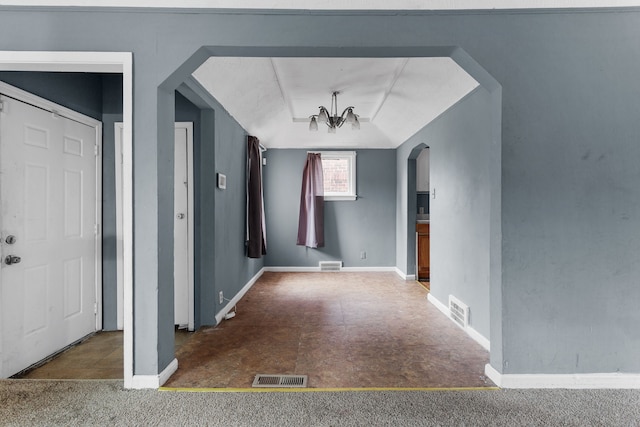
[(263, 380)]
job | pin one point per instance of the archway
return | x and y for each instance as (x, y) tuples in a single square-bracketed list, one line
[(406, 215)]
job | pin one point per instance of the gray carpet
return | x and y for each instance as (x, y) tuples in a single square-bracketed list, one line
[(106, 403)]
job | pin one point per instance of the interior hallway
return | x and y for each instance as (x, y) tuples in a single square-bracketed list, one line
[(343, 330)]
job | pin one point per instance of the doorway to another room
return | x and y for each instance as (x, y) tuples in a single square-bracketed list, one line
[(183, 225), (75, 70), (423, 223)]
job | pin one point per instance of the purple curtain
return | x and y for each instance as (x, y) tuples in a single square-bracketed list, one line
[(311, 220), (256, 230)]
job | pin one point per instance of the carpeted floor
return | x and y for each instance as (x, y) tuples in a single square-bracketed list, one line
[(106, 403)]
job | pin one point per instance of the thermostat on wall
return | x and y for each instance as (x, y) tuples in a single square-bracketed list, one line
[(222, 181)]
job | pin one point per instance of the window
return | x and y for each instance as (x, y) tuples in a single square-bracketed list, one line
[(339, 170)]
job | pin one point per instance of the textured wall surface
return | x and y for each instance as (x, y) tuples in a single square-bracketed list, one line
[(459, 142), (569, 211)]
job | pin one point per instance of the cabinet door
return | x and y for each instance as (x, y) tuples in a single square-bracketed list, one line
[(423, 253)]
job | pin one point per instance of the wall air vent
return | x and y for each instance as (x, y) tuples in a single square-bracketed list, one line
[(330, 265), (458, 311)]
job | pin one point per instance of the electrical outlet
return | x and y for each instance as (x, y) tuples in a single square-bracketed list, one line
[(221, 297), (363, 255)]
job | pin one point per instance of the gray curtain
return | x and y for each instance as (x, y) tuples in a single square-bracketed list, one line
[(256, 229), (311, 220)]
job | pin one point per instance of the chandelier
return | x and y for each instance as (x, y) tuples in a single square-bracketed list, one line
[(332, 119)]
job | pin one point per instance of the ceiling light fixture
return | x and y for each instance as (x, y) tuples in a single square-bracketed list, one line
[(331, 117)]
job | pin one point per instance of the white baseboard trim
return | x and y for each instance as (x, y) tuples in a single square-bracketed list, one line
[(404, 276), (342, 270), (613, 380), (227, 308), (154, 381), (368, 269), (477, 336), (293, 269), (440, 306)]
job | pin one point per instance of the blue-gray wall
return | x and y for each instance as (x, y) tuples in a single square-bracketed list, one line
[(460, 145), (232, 267), (221, 261), (351, 227), (81, 92), (569, 202)]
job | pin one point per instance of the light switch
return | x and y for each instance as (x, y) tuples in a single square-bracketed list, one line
[(222, 181)]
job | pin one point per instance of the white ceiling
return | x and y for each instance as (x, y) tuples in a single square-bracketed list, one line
[(272, 98)]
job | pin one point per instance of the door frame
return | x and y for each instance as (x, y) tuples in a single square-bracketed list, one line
[(58, 110), (188, 127), (99, 62)]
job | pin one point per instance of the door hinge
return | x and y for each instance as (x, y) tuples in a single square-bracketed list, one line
[(96, 229), (95, 308), (96, 150), (1, 106)]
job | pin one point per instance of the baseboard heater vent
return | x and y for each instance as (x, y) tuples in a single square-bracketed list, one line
[(288, 381), (458, 311), (330, 265)]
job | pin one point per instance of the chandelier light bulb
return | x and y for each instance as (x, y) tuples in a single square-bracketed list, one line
[(323, 117), (313, 124), (351, 118)]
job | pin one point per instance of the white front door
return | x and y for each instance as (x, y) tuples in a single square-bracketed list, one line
[(48, 193)]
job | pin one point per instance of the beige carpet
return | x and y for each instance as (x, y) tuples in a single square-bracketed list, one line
[(104, 403)]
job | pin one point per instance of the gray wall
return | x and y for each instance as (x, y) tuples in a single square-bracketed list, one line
[(566, 300), (460, 143), (81, 92), (232, 267), (366, 224), (221, 261)]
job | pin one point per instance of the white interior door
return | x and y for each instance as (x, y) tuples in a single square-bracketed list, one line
[(183, 225), (48, 192), (181, 230)]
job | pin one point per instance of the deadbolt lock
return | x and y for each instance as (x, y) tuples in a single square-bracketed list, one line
[(10, 240)]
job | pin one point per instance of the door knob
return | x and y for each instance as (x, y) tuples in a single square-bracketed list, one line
[(180, 216), (11, 259)]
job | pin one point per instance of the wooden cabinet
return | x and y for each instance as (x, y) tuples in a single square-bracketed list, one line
[(423, 251)]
